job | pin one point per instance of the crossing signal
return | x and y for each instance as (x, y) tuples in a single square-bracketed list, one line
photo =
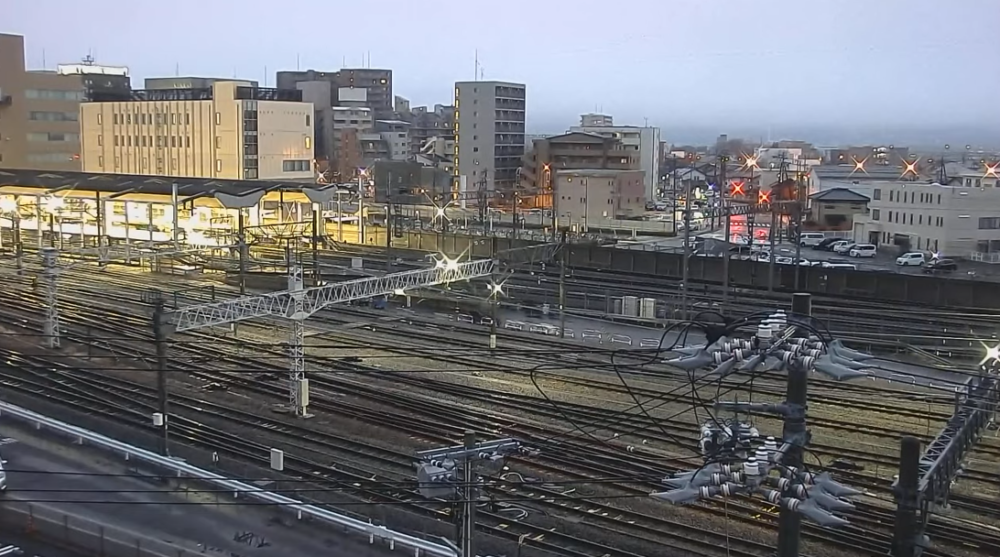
[(736, 188), (763, 197)]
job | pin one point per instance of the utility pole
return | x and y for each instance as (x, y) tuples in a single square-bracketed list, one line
[(317, 222), (799, 210), (388, 222), (241, 240), (160, 334), (905, 533), (470, 496), (724, 205), (794, 433), (450, 472), (687, 249), (494, 294), (562, 284)]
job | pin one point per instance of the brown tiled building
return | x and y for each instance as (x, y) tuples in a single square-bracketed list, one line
[(570, 151), (39, 110)]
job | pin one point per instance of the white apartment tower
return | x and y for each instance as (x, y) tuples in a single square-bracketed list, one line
[(489, 133)]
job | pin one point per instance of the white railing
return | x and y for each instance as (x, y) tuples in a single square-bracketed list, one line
[(182, 469), (985, 257)]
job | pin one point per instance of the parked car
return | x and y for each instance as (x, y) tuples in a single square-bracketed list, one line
[(811, 239), (911, 259), (826, 244), (850, 266), (843, 247), (940, 266), (863, 250)]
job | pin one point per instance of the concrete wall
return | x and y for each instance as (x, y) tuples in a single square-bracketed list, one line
[(916, 290)]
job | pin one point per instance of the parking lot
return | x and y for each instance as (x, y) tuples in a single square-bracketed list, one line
[(885, 261)]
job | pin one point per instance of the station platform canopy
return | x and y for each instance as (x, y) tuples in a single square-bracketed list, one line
[(160, 189)]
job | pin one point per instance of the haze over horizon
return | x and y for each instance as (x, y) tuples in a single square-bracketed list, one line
[(828, 72)]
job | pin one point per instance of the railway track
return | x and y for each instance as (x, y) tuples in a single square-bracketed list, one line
[(462, 420)]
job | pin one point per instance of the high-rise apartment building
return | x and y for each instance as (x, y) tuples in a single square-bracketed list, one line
[(228, 131), (39, 110), (489, 133)]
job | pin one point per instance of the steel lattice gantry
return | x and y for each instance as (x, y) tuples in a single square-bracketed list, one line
[(942, 460), (298, 303), (51, 269)]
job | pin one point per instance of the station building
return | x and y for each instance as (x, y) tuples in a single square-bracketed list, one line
[(200, 212)]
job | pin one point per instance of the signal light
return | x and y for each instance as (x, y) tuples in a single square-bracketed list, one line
[(736, 188), (763, 197)]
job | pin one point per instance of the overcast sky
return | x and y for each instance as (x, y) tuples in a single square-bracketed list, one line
[(723, 65)]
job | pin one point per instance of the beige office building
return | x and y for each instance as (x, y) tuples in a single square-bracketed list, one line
[(228, 131), (39, 109)]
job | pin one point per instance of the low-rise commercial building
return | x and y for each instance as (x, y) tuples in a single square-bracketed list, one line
[(589, 196), (571, 151), (955, 220), (39, 110), (645, 141), (227, 131)]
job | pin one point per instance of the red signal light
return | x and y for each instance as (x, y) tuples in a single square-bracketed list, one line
[(736, 188), (763, 197)]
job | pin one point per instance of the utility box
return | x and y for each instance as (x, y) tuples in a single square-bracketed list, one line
[(630, 306), (647, 308), (303, 388), (277, 460)]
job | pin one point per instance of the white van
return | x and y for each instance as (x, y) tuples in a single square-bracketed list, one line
[(811, 239), (849, 266)]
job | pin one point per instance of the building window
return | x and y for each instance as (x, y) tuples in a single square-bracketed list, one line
[(218, 142), (876, 214), (100, 161), (128, 118), (173, 141), (187, 118), (877, 194), (218, 118), (989, 223), (52, 95), (295, 166), (50, 157), (307, 121), (44, 116), (114, 118), (911, 215), (309, 143), (218, 163), (187, 141), (100, 140)]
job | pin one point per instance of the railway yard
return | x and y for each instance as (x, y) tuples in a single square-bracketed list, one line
[(608, 420)]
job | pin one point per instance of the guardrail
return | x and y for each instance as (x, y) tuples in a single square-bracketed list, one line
[(182, 469)]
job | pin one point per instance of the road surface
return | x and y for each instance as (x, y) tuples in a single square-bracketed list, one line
[(61, 479)]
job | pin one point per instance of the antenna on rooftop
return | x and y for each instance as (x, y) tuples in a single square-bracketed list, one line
[(88, 60), (43, 59), (475, 76), (296, 61)]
